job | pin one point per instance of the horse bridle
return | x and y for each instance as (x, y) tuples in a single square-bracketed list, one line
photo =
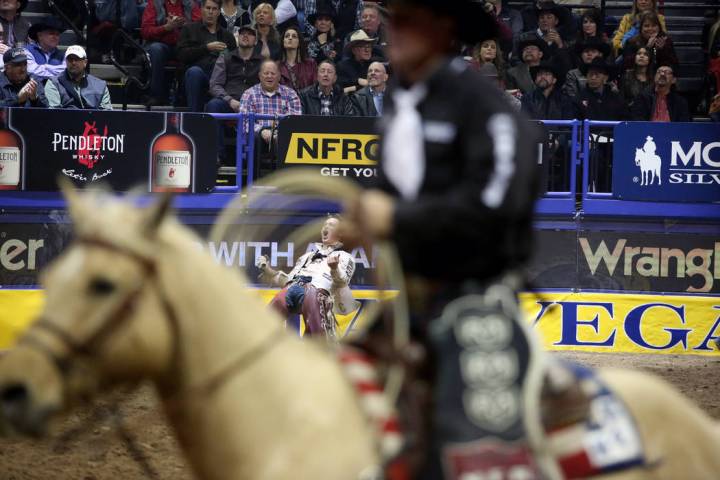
[(121, 314)]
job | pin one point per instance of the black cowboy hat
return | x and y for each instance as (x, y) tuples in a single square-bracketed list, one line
[(550, 6), (598, 64), (322, 11), (47, 23), (546, 67), (532, 39), (473, 24), (593, 42)]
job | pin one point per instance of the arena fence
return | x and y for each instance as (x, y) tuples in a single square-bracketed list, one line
[(576, 168)]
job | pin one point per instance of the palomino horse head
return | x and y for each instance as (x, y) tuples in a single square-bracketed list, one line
[(88, 335)]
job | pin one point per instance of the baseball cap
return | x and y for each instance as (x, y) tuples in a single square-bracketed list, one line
[(15, 55), (249, 28), (76, 50)]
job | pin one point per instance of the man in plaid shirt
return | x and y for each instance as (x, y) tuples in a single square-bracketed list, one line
[(269, 98)]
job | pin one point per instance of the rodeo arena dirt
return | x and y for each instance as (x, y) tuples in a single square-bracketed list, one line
[(98, 453)]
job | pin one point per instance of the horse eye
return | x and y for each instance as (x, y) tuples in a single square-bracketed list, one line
[(100, 286)]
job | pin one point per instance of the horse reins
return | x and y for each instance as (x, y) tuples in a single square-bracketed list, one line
[(117, 317)]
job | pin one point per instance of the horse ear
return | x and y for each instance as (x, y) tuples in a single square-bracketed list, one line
[(156, 214), (72, 197)]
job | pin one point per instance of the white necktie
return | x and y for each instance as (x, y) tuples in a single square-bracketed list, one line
[(403, 150)]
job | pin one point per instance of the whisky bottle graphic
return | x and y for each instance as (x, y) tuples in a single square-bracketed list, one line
[(172, 158), (10, 154)]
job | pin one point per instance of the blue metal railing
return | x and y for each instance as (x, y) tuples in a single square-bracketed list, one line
[(563, 203)]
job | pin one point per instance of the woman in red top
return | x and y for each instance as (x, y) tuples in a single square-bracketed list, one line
[(297, 70)]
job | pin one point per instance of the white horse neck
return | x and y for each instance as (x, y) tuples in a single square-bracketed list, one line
[(219, 317)]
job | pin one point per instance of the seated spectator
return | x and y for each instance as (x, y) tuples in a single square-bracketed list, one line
[(14, 26), (489, 71), (639, 78), (549, 22), (654, 37), (324, 44), (592, 24), (76, 89), (346, 14), (269, 98), (160, 28), (588, 51), (297, 70), (663, 103), (547, 101), (488, 51), (630, 23), (369, 100), (597, 101), (509, 20), (353, 70), (268, 42), (325, 98), (17, 88), (45, 59), (532, 51), (199, 47), (233, 15), (371, 22), (233, 74), (564, 23)]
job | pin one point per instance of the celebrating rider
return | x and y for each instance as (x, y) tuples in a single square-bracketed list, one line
[(318, 285)]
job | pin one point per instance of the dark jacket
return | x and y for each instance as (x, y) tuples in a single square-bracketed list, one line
[(557, 106), (349, 70), (469, 187), (644, 106), (9, 93), (518, 77), (364, 104), (341, 104), (302, 75), (232, 75), (21, 26), (608, 105), (92, 90), (274, 47), (191, 47)]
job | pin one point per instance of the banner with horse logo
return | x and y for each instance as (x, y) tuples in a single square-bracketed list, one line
[(668, 162)]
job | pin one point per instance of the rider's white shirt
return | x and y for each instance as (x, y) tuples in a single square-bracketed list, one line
[(319, 270)]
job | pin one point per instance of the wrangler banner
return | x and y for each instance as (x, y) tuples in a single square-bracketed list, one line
[(155, 151), (334, 146), (589, 322)]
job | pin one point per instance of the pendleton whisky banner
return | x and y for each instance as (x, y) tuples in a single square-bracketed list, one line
[(154, 150), (334, 146)]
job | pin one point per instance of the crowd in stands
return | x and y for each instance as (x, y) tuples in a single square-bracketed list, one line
[(327, 57)]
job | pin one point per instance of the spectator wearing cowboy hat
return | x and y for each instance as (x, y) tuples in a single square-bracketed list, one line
[(14, 27), (532, 52), (547, 101), (598, 101), (75, 88), (588, 50), (352, 71), (346, 15), (553, 22), (17, 88), (324, 43), (45, 59), (372, 23)]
